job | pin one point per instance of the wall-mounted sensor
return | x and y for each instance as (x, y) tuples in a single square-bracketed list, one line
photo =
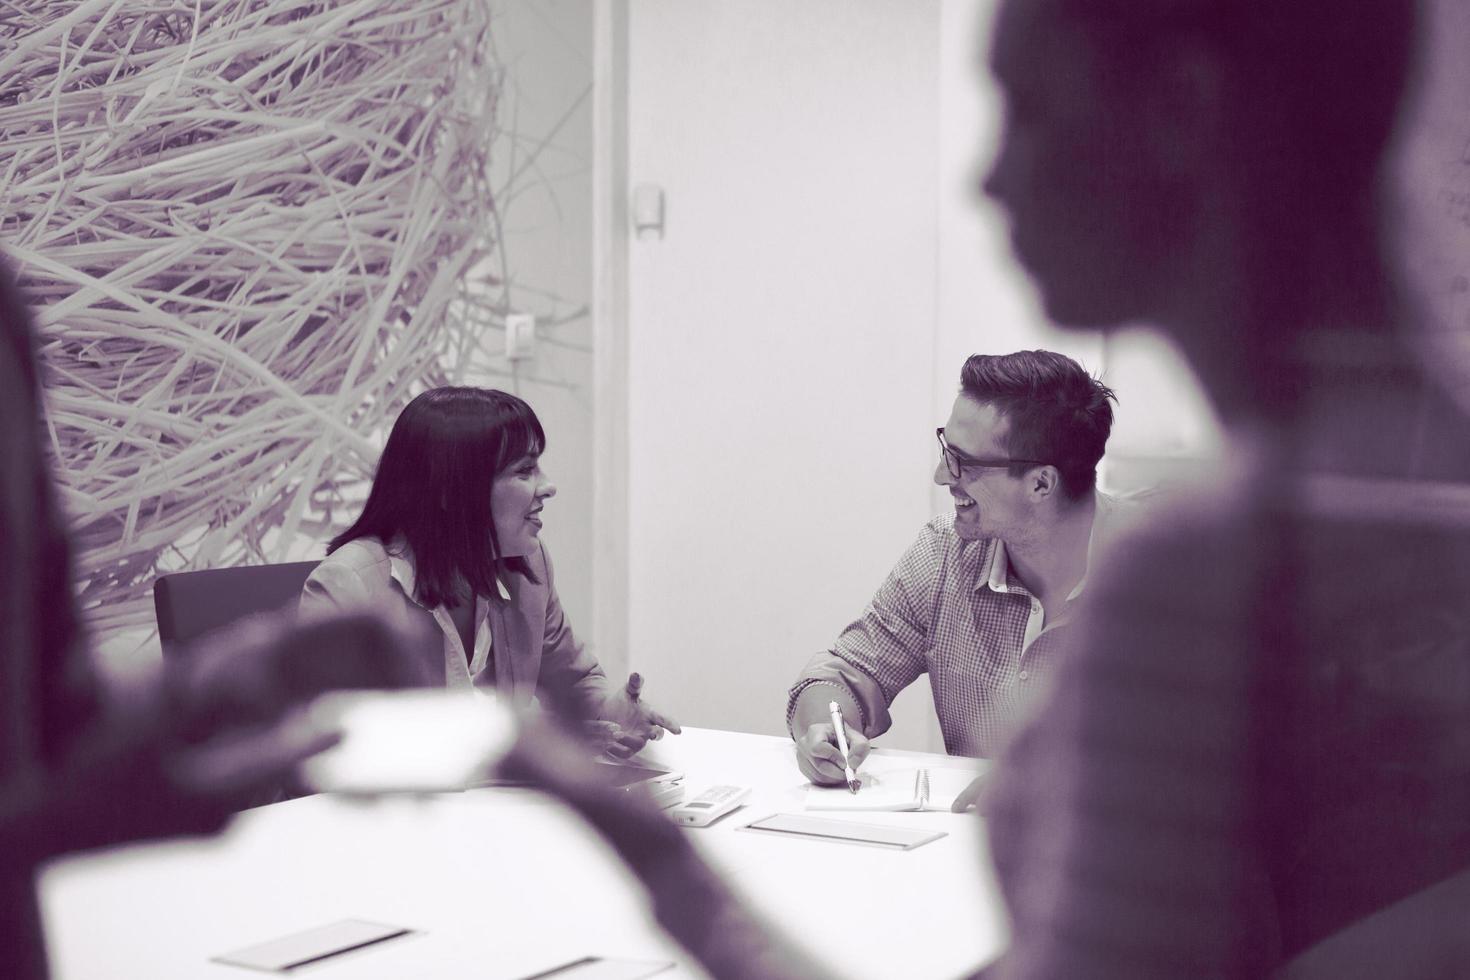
[(648, 211), (520, 336)]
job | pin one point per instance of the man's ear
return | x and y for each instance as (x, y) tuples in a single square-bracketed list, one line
[(1045, 481)]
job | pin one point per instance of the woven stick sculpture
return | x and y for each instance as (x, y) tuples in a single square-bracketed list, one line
[(246, 226)]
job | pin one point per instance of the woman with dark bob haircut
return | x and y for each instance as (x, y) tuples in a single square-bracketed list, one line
[(447, 547)]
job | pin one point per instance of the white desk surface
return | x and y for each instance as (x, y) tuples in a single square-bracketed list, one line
[(503, 882)]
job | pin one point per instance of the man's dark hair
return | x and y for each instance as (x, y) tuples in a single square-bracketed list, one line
[(432, 488), (1058, 413)]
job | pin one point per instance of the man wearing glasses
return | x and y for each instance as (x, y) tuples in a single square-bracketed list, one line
[(980, 599)]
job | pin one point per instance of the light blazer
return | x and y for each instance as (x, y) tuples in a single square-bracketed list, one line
[(532, 645)]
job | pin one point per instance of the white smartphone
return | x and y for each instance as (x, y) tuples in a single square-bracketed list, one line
[(710, 805), (407, 741)]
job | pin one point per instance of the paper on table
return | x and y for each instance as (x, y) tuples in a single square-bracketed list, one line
[(311, 945), (841, 831), (600, 968), (930, 788)]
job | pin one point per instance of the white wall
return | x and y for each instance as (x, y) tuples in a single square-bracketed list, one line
[(781, 335)]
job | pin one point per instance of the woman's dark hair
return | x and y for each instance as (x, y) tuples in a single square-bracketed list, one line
[(1058, 412), (432, 488), (46, 691)]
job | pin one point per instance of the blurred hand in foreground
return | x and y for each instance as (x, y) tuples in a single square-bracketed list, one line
[(969, 797), (126, 783), (221, 724), (265, 667)]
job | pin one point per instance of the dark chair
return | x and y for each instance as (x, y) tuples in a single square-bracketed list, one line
[(191, 604)]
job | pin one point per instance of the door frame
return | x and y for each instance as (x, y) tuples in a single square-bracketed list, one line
[(610, 566)]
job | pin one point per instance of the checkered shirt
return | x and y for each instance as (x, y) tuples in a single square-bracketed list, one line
[(951, 608)]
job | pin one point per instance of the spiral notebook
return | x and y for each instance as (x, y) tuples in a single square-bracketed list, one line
[(932, 788)]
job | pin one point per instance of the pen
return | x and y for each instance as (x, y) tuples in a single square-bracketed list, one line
[(853, 783)]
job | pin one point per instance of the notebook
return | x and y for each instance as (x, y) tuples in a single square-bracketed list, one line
[(932, 788)]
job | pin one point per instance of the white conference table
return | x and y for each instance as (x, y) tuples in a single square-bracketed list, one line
[(503, 882)]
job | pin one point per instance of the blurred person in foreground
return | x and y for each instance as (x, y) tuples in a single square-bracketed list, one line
[(982, 598), (448, 548), (1258, 760), (1264, 738), (83, 766)]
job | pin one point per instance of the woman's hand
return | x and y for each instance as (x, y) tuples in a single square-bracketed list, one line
[(635, 722)]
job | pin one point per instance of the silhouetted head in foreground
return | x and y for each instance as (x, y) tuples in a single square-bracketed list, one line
[(1211, 166)]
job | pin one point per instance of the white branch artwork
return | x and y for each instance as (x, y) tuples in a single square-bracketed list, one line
[(246, 228)]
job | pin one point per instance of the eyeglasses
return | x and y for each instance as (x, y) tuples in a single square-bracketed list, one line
[(957, 461)]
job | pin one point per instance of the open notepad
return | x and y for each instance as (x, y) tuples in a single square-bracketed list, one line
[(932, 788)]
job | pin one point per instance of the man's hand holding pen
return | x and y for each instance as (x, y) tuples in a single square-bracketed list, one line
[(839, 728), (820, 758)]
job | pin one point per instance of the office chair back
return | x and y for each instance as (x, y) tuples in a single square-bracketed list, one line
[(191, 604)]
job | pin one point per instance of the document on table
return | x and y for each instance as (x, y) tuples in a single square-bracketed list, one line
[(601, 968), (312, 945), (799, 826), (929, 788), (531, 962)]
